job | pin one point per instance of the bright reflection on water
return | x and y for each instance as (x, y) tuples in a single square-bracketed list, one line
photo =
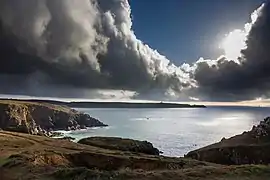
[(175, 131)]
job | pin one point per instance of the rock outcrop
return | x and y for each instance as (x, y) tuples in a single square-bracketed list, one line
[(121, 144), (251, 147), (262, 131), (42, 118)]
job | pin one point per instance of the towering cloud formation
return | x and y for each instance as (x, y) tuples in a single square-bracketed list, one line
[(248, 76), (85, 44), (77, 47)]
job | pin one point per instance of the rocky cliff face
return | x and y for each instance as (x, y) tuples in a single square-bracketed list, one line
[(41, 119), (251, 147)]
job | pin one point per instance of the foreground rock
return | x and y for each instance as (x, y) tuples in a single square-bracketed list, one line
[(251, 147), (41, 118), (121, 144), (26, 157)]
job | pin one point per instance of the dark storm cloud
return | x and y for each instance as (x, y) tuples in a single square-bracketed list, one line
[(74, 48), (82, 44), (229, 80)]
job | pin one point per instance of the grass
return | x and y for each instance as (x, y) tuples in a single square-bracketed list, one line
[(115, 143), (249, 170), (202, 173), (3, 161), (24, 156)]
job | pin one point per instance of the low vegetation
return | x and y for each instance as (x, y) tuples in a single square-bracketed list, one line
[(27, 157), (121, 144)]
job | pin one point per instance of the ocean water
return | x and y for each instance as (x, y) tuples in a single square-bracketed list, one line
[(175, 131)]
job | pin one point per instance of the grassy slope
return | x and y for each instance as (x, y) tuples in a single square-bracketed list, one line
[(34, 157), (245, 139), (240, 149)]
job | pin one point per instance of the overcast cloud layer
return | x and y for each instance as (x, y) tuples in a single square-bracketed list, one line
[(71, 48)]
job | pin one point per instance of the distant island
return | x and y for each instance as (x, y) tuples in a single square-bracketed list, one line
[(79, 104)]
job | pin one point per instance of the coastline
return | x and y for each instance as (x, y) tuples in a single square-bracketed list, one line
[(108, 104), (36, 156)]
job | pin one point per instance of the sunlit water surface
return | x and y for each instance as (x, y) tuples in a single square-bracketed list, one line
[(175, 131)]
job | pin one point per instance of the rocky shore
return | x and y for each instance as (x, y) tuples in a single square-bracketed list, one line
[(42, 119), (25, 154), (251, 147)]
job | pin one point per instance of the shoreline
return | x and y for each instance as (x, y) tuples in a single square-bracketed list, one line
[(109, 104), (37, 156)]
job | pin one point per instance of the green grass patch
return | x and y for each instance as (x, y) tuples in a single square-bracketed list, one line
[(249, 170), (3, 161)]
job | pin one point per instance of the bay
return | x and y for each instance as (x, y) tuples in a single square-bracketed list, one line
[(175, 131)]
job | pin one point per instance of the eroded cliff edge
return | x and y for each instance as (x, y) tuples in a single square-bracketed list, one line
[(250, 147), (41, 119)]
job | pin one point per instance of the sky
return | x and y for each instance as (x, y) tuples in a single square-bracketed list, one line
[(173, 50), (185, 30)]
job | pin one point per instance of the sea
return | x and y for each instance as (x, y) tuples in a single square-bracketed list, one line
[(174, 131)]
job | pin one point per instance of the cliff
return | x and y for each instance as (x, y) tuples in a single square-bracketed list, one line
[(251, 147), (42, 118)]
